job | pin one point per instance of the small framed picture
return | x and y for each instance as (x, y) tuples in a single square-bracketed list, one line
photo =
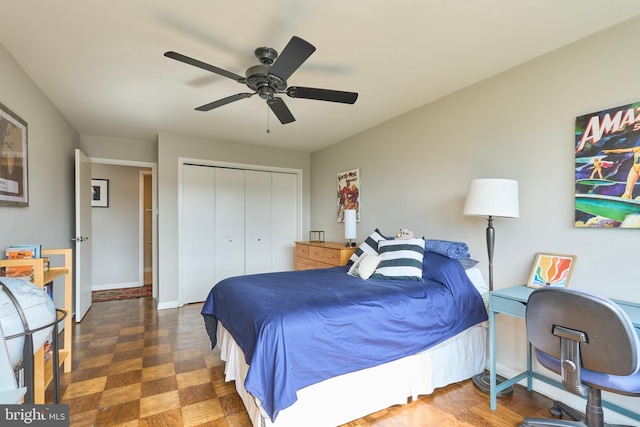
[(100, 193), (551, 270)]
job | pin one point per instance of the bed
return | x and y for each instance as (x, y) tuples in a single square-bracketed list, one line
[(321, 347)]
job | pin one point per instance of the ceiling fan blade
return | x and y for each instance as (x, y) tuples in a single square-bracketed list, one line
[(224, 101), (187, 60), (281, 110), (293, 55), (322, 94)]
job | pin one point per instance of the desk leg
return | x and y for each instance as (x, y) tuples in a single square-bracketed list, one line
[(529, 367), (492, 360)]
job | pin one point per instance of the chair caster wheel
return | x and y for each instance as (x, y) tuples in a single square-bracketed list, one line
[(556, 412)]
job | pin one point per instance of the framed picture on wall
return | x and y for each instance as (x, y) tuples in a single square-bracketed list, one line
[(348, 193), (607, 168), (14, 188), (551, 270), (100, 193)]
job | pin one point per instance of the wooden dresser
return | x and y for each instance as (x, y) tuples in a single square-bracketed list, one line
[(311, 255)]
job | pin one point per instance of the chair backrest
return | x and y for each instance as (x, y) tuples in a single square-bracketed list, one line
[(611, 346)]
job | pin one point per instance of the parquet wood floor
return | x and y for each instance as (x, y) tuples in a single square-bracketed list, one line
[(136, 366)]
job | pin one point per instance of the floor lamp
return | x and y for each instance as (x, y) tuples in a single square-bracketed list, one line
[(491, 198)]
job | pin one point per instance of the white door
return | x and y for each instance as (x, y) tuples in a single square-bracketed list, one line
[(229, 223), (196, 241), (257, 215), (83, 233), (284, 213)]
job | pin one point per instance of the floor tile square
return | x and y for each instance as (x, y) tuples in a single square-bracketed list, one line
[(129, 345), (159, 386), (118, 414), (85, 388), (89, 373), (100, 342), (94, 361), (125, 366), (196, 394), (192, 378), (132, 330), (156, 359), (158, 371), (159, 403), (83, 403), (119, 395), (128, 354), (172, 418), (123, 379), (200, 413)]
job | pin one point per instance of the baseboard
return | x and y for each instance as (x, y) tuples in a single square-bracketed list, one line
[(167, 305), (116, 286)]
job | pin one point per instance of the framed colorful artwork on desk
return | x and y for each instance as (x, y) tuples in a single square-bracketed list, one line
[(551, 270)]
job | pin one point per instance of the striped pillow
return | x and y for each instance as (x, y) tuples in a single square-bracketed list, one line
[(369, 246), (401, 259)]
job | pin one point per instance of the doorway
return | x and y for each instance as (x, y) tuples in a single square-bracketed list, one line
[(124, 233)]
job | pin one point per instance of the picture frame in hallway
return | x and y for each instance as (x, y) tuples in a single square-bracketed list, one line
[(14, 185), (100, 193), (553, 270)]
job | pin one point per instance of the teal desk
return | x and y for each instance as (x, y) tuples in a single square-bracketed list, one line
[(513, 302)]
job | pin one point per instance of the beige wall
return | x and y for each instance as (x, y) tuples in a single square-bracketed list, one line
[(115, 231), (170, 149), (49, 218), (520, 124)]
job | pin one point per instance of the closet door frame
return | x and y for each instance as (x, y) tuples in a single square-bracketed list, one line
[(244, 166)]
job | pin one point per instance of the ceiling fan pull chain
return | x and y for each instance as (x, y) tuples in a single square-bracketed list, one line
[(268, 123)]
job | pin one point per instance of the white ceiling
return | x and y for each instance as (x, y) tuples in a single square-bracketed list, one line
[(101, 62)]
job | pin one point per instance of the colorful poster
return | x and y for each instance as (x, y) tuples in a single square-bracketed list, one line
[(607, 168), (348, 193)]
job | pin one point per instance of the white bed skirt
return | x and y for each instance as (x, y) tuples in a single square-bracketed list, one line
[(351, 396)]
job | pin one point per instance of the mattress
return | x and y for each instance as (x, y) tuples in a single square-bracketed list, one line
[(347, 397)]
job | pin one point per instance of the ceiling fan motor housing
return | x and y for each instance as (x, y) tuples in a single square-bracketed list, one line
[(260, 80)]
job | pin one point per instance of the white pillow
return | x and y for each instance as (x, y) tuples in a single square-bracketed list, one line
[(476, 278), (364, 266)]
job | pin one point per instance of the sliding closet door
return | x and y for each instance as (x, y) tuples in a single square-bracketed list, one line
[(234, 222), (258, 219), (229, 223), (196, 233), (284, 211)]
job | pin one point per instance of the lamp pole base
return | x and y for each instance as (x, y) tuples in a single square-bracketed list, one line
[(483, 383)]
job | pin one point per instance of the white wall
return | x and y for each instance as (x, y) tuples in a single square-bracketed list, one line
[(520, 124), (49, 218), (170, 149), (119, 149)]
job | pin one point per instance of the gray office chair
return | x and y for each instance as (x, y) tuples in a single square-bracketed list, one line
[(590, 342)]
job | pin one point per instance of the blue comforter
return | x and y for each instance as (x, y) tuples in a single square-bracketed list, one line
[(302, 327)]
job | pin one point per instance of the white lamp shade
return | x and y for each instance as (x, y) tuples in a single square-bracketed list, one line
[(492, 197), (350, 224)]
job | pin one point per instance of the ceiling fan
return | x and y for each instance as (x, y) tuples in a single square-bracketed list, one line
[(269, 78)]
